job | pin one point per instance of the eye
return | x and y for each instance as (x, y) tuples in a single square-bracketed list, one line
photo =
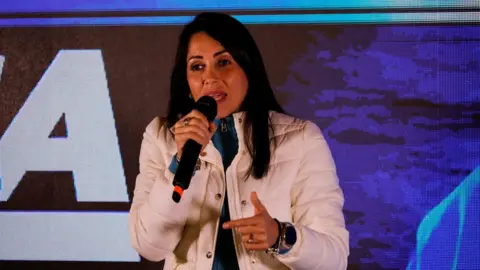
[(196, 67), (224, 62)]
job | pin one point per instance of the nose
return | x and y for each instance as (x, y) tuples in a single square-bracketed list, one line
[(210, 76)]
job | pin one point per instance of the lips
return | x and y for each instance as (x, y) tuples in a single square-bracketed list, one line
[(217, 95)]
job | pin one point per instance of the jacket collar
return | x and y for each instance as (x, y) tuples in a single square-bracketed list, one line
[(212, 155)]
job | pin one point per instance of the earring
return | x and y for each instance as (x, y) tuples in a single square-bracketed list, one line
[(190, 96)]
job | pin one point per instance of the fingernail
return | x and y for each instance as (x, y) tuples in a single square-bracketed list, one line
[(225, 225)]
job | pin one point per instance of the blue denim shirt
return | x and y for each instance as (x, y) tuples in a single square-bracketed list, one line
[(226, 141)]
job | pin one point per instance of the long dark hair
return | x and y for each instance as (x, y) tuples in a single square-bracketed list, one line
[(260, 99)]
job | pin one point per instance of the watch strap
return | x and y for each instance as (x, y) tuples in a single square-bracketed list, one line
[(274, 249), (285, 240)]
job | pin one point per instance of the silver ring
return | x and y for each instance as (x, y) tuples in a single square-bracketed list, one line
[(185, 122), (250, 240)]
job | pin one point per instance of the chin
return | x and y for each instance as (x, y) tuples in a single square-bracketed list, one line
[(224, 109), (223, 113)]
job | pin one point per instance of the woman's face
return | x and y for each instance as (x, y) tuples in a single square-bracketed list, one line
[(212, 71)]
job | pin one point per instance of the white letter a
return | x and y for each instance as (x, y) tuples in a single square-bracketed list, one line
[(75, 85)]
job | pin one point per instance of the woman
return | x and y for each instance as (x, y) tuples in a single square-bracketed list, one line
[(264, 194)]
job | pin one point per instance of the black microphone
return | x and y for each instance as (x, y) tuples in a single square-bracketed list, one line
[(191, 150)]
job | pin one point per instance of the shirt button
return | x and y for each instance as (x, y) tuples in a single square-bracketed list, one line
[(209, 254), (244, 202), (203, 154), (240, 120), (218, 196)]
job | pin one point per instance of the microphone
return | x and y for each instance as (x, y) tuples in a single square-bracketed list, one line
[(191, 150)]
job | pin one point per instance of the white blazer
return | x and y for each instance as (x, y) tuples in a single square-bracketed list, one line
[(301, 187)]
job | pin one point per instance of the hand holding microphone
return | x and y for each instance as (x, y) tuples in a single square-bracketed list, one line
[(193, 126), (192, 134)]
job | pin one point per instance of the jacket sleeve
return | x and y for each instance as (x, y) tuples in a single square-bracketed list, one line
[(317, 202), (156, 222)]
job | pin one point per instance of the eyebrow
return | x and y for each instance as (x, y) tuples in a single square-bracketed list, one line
[(201, 57)]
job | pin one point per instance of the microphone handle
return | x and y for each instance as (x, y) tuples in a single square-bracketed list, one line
[(186, 166)]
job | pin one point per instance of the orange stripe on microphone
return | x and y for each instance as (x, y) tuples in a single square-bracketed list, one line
[(179, 190)]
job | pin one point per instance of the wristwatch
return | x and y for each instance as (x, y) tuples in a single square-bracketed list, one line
[(287, 237)]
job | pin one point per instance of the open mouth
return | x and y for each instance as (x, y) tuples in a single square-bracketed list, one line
[(218, 96)]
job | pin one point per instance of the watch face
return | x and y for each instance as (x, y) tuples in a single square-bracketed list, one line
[(290, 235)]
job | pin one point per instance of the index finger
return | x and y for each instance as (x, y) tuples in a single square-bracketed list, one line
[(240, 223), (200, 116)]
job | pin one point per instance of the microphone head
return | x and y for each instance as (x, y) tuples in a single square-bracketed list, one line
[(207, 106)]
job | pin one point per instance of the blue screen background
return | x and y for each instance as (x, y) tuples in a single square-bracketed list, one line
[(400, 111)]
